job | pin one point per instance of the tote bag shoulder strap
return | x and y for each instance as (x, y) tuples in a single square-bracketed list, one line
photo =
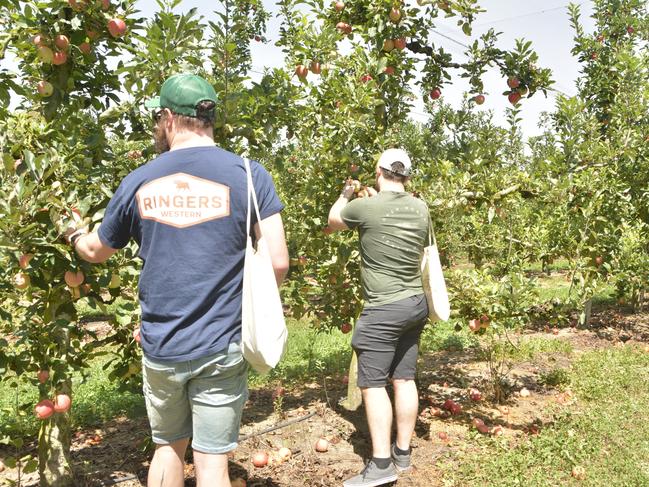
[(251, 195)]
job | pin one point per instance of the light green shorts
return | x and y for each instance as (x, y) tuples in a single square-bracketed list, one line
[(202, 399)]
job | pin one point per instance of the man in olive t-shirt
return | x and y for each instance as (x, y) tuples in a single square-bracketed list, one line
[(393, 230)]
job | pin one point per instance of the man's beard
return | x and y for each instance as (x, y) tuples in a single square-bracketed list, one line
[(160, 138)]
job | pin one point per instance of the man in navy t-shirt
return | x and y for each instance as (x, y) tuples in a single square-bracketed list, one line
[(187, 210)]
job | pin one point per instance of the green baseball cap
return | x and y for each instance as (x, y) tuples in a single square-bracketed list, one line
[(181, 94)]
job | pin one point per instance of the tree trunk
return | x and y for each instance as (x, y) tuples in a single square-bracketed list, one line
[(584, 319), (54, 452), (354, 399)]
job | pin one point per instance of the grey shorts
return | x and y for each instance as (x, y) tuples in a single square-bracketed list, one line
[(386, 340), (200, 399)]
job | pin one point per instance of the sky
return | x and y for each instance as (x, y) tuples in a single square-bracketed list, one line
[(544, 22)]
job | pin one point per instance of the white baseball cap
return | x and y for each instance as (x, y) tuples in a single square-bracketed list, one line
[(391, 156)]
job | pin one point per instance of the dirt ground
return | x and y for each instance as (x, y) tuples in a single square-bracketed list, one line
[(117, 453)]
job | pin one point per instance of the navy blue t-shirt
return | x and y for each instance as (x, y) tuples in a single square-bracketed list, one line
[(187, 211)]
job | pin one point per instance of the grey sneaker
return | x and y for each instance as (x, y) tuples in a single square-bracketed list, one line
[(372, 475), (401, 462)]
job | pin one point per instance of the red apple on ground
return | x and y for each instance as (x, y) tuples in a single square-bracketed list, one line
[(354, 168), (345, 328), (339, 6), (514, 97), (435, 93), (479, 99), (599, 260), (116, 27), (475, 394), (45, 54), (578, 472), (44, 409), (62, 42), (395, 15), (315, 67), (284, 453), (60, 57), (524, 392), (630, 30), (442, 435), (260, 459), (513, 82), (322, 445), (85, 47), (497, 430), (73, 279), (22, 280), (62, 403), (400, 43), (388, 45)]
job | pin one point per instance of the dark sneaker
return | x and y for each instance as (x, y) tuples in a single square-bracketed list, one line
[(372, 475), (401, 462)]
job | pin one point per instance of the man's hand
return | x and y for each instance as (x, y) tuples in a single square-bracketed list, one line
[(349, 189)]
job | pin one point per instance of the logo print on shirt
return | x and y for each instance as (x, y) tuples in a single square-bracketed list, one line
[(182, 200)]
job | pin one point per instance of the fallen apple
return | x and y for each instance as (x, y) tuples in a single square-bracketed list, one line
[(524, 392), (599, 260), (284, 453), (474, 325), (442, 435), (322, 445), (346, 328), (260, 459), (44, 409), (578, 472), (477, 422), (62, 403), (475, 394), (497, 430)]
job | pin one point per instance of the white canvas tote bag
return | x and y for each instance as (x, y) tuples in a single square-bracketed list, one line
[(433, 280), (264, 332)]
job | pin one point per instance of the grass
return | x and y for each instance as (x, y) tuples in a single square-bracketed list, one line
[(604, 433)]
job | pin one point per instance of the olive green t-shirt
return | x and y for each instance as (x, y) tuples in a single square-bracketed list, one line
[(393, 231)]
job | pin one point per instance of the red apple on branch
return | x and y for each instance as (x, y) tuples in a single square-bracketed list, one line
[(116, 27), (62, 42), (513, 82), (44, 409), (62, 403), (59, 58), (395, 15), (435, 93)]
